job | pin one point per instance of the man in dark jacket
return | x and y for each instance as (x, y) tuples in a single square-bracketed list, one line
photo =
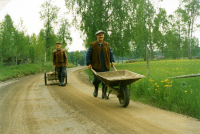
[(99, 57), (60, 62)]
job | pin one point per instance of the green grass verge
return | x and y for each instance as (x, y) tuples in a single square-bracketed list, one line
[(21, 70), (178, 95)]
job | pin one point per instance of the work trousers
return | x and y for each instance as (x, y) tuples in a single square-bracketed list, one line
[(62, 72)]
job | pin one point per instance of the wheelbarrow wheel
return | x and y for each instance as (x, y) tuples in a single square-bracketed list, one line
[(124, 96), (45, 78)]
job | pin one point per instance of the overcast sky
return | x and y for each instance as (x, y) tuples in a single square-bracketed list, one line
[(28, 11)]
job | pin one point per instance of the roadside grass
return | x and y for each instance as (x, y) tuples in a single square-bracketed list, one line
[(21, 70), (178, 95)]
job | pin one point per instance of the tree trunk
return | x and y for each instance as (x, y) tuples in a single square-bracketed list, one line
[(147, 58), (151, 48), (151, 51), (191, 34), (179, 47), (189, 47), (45, 58)]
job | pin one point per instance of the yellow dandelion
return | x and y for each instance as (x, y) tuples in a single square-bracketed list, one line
[(158, 86), (155, 83), (162, 81), (166, 85), (166, 80), (185, 91), (155, 89)]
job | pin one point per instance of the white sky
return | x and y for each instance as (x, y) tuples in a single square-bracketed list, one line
[(28, 10)]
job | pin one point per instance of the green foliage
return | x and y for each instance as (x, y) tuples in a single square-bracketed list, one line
[(14, 71), (78, 56), (189, 11), (110, 16), (7, 38), (32, 53), (9, 72), (64, 34), (48, 14), (134, 25)]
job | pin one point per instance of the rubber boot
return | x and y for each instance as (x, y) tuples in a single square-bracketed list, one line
[(59, 81), (95, 94), (104, 91), (62, 81)]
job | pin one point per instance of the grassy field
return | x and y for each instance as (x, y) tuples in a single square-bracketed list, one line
[(15, 71), (178, 95)]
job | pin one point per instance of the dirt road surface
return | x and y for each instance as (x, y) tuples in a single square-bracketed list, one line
[(27, 106)]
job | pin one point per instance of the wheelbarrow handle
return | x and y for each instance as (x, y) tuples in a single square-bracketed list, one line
[(94, 71), (114, 68)]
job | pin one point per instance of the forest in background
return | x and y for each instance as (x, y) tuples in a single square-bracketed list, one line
[(132, 28)]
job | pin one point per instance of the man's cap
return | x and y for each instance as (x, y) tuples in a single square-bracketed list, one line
[(100, 31), (58, 43)]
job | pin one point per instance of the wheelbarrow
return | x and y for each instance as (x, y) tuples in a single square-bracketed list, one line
[(52, 76), (117, 82)]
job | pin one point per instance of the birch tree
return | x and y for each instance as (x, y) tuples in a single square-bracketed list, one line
[(48, 14)]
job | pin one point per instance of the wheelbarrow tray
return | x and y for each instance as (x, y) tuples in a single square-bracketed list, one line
[(52, 76), (115, 78)]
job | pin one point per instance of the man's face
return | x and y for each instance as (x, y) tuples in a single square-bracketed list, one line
[(100, 36), (58, 46)]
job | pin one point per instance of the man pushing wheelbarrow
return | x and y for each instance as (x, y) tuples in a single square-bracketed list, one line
[(60, 63), (99, 57)]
